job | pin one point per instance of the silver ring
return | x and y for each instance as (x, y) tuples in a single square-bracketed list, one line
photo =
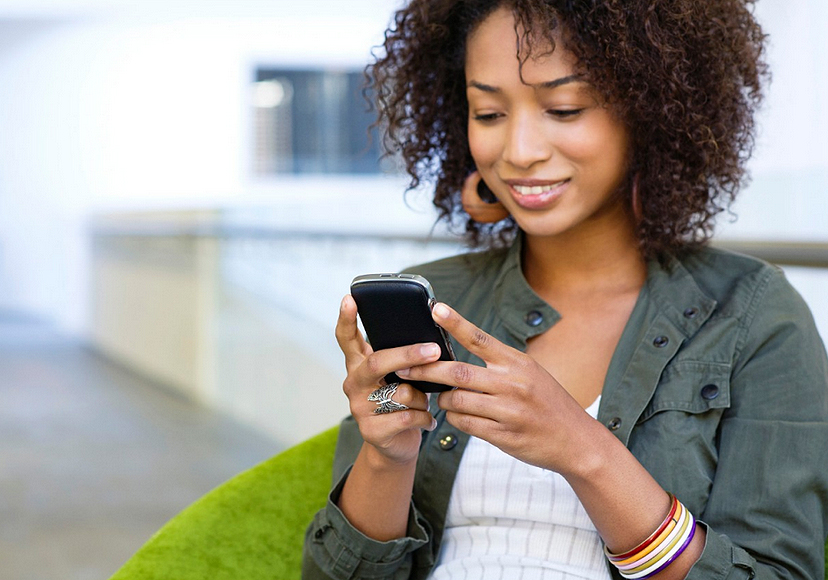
[(382, 397)]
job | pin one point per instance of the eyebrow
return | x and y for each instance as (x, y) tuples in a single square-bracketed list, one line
[(545, 85)]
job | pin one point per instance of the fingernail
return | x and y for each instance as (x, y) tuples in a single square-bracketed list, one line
[(440, 310), (342, 304), (433, 424), (403, 372), (430, 350)]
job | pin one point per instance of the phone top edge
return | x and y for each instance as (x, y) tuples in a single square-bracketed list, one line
[(416, 278)]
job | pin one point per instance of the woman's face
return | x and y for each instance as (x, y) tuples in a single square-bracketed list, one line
[(551, 153)]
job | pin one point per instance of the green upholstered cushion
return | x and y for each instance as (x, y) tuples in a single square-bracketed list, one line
[(250, 528)]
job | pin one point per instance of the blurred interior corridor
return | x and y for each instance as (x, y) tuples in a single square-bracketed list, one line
[(94, 459)]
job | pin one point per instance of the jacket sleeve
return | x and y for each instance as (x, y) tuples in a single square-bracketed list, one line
[(767, 512), (335, 549)]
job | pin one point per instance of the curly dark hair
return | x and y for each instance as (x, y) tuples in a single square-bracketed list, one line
[(685, 77)]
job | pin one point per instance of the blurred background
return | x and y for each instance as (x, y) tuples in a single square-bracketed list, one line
[(186, 191)]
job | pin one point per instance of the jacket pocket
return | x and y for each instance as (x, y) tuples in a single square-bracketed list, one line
[(692, 387), (676, 437)]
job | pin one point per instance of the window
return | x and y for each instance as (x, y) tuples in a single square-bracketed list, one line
[(314, 121)]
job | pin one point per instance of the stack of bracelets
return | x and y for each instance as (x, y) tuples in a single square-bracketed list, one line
[(662, 547)]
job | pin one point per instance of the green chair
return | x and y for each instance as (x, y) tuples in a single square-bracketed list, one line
[(250, 528)]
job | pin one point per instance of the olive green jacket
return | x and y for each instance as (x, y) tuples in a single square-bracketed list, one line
[(718, 386)]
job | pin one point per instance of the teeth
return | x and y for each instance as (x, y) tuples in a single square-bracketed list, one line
[(535, 189)]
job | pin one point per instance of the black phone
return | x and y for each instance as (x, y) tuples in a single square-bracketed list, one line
[(395, 310)]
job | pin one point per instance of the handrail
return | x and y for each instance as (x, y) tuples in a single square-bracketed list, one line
[(261, 232), (783, 253)]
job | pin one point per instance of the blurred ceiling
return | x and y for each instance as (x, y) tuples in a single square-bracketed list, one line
[(79, 9)]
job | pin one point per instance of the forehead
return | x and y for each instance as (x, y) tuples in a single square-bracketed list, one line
[(496, 48)]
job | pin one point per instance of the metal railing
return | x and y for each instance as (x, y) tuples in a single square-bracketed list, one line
[(781, 252)]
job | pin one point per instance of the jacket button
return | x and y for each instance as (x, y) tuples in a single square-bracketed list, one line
[(709, 392), (533, 318), (691, 312), (660, 341), (448, 442), (614, 423)]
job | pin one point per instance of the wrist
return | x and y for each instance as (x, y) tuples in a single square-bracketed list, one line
[(597, 452), (379, 462)]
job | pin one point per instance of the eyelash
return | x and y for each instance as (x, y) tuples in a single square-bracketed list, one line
[(565, 113), (560, 114), (488, 117)]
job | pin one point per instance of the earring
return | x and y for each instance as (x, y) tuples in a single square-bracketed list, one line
[(483, 212)]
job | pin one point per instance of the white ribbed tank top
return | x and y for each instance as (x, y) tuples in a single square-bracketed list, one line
[(510, 520)]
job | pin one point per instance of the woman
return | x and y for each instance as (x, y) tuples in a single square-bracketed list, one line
[(629, 402)]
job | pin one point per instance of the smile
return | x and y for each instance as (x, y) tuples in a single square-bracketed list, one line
[(537, 189), (538, 196)]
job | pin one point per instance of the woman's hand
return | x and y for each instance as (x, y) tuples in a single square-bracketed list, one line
[(512, 402), (516, 405), (395, 437)]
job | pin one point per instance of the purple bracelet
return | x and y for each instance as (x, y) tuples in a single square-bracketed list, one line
[(676, 555)]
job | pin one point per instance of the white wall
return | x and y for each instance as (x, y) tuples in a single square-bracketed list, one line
[(788, 198)]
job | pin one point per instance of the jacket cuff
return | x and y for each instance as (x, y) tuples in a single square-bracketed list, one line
[(342, 551), (721, 559)]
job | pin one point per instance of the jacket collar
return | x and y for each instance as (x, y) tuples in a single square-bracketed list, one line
[(522, 311), (678, 297), (671, 287)]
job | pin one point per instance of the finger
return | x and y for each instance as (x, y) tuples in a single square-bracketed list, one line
[(466, 402), (480, 427), (380, 363), (401, 393), (411, 397), (348, 336), (475, 340), (387, 426), (454, 374)]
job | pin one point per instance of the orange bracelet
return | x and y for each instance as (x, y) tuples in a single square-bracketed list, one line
[(664, 547), (618, 558), (642, 555)]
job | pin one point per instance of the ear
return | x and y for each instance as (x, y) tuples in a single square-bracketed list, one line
[(481, 211)]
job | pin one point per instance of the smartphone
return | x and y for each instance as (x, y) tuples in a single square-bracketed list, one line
[(395, 310)]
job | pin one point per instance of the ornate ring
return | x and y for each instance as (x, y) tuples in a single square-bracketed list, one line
[(382, 397)]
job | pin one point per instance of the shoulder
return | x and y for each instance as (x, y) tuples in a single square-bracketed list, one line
[(777, 347), (740, 284)]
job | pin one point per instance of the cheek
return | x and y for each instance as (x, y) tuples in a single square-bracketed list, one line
[(583, 144), (483, 147), (602, 147)]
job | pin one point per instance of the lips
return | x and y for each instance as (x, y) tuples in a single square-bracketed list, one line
[(537, 195), (536, 189)]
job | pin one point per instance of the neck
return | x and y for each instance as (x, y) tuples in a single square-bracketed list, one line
[(603, 259)]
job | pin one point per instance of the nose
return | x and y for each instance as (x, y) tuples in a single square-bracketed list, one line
[(526, 142)]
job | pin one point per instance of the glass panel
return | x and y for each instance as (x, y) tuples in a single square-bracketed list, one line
[(314, 121)]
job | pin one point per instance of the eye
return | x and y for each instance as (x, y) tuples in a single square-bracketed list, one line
[(565, 113), (487, 117)]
